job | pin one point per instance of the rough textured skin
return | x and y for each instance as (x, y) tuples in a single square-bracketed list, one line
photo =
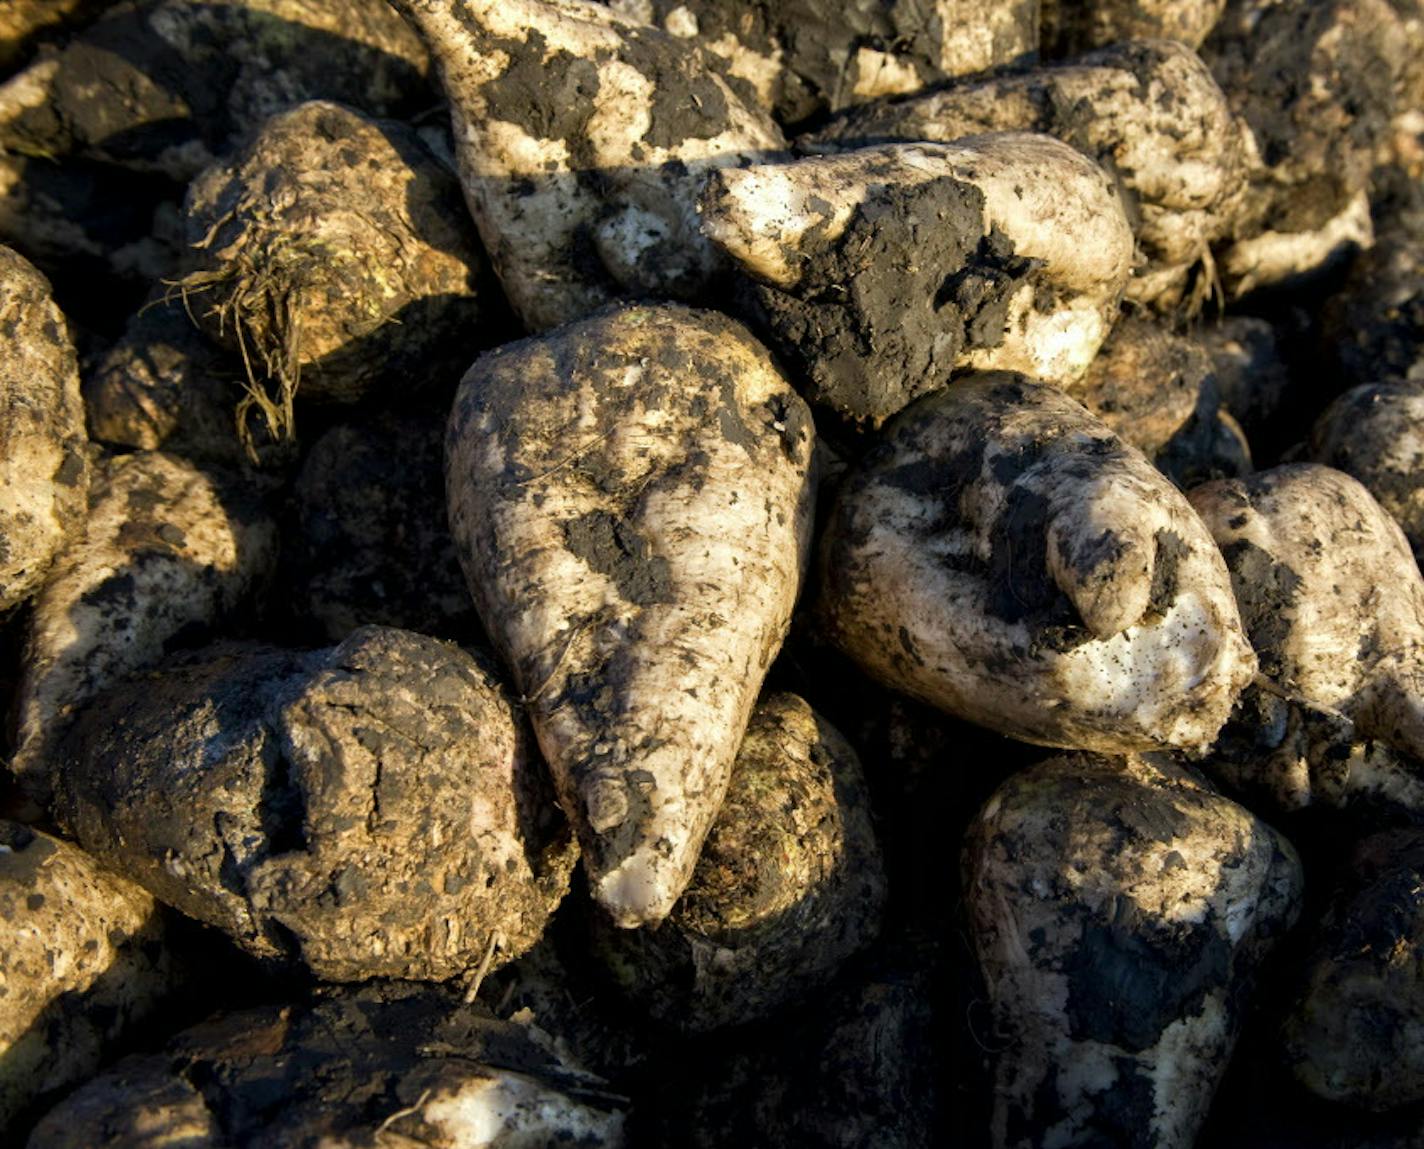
[(788, 886), (163, 383), (1284, 754), (878, 271), (166, 554), (1315, 82), (1406, 147), (370, 540), (1329, 594), (583, 138), (44, 466), (1376, 434), (168, 85), (380, 1067), (1148, 111), (1251, 374), (1068, 27), (84, 959), (1356, 1034), (373, 810), (1005, 557), (1158, 392), (631, 498), (1118, 905), (800, 57), (335, 253)]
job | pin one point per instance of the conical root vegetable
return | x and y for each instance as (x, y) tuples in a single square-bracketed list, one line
[(1315, 81), (1329, 593), (583, 138), (1353, 1035), (86, 958), (1117, 907), (1375, 433), (877, 272), (167, 86), (1149, 112), (375, 809), (631, 498), (1005, 557), (801, 57)]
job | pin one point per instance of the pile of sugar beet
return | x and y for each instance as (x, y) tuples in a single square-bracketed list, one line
[(722, 573)]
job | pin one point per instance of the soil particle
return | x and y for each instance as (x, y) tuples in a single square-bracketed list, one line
[(1267, 591), (884, 311), (613, 547)]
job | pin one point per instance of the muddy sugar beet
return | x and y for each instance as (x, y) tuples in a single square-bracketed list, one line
[(982, 243), (583, 139), (1118, 906), (879, 271), (631, 497), (374, 809), (1004, 556), (333, 254)]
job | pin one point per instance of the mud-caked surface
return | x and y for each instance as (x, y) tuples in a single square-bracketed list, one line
[(1068, 28), (1002, 555), (1285, 754), (369, 540), (877, 272), (1118, 909), (84, 959), (789, 884), (1329, 593), (1353, 1036), (376, 809), (583, 138), (1315, 84), (334, 251), (166, 85), (44, 463), (1157, 390), (384, 1065), (167, 556), (807, 56), (631, 498), (1149, 112), (884, 311), (1376, 433)]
